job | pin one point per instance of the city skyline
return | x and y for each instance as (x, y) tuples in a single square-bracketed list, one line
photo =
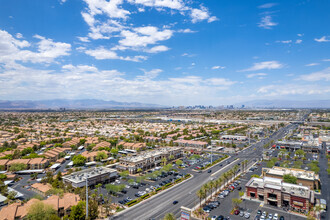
[(168, 52)]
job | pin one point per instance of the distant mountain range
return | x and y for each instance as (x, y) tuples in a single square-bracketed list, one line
[(285, 104), (74, 104)]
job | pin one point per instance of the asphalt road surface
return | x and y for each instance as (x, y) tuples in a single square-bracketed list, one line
[(185, 194)]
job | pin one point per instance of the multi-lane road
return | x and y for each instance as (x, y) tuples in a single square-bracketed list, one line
[(185, 193)]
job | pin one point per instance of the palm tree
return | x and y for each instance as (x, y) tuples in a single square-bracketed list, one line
[(200, 193), (169, 216), (225, 175), (164, 160), (212, 186), (235, 169), (220, 181), (205, 188)]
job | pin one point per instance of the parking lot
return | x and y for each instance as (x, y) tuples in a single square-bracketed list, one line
[(135, 190)]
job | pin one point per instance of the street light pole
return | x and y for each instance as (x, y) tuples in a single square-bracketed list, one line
[(211, 154), (86, 198)]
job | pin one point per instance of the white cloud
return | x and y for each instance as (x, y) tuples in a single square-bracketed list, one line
[(284, 41), (104, 54), (317, 76), (201, 14), (218, 67), (292, 89), (47, 50), (172, 4), (19, 35), (267, 5), (188, 55), (157, 49), (326, 60), (265, 65), (148, 75), (187, 30), (266, 22), (110, 84), (298, 41), (312, 64), (256, 74), (322, 39), (300, 35), (141, 37), (211, 19), (83, 39)]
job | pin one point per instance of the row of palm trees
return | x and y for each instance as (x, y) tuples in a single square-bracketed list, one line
[(213, 186)]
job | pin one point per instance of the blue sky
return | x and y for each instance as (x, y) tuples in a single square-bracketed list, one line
[(169, 52)]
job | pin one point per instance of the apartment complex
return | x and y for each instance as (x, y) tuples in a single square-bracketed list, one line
[(304, 177), (62, 206), (31, 164), (93, 175), (190, 143), (273, 191), (149, 159)]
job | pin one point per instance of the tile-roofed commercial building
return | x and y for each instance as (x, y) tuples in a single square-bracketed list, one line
[(147, 160), (94, 176), (273, 191), (304, 177)]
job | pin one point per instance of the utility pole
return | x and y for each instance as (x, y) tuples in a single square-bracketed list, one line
[(86, 197)]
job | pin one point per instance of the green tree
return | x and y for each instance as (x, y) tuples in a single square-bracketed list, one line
[(93, 211), (101, 156), (255, 175), (236, 202), (288, 178), (124, 174), (78, 211), (178, 163), (200, 194), (3, 177), (40, 211), (300, 153), (79, 160), (169, 216), (270, 164), (17, 167)]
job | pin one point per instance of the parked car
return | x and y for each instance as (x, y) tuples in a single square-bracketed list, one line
[(214, 217), (236, 212), (247, 215), (207, 209), (220, 217)]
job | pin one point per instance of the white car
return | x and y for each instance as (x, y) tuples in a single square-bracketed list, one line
[(247, 215), (275, 216), (127, 186), (214, 218)]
